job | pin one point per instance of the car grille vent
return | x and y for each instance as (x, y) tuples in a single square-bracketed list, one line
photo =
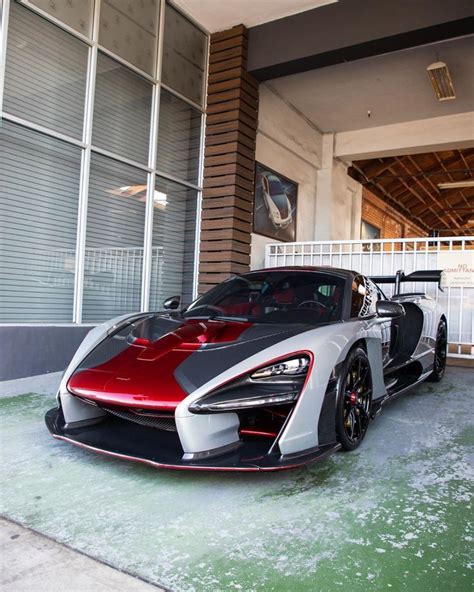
[(158, 422)]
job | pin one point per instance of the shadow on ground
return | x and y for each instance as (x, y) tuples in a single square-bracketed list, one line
[(392, 515)]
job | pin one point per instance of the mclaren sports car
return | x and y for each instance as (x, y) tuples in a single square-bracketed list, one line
[(276, 201), (269, 370)]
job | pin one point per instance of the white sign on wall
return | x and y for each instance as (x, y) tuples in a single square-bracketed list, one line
[(458, 268)]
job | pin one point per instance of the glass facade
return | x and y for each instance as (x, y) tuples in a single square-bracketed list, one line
[(45, 73), (122, 110), (39, 195), (100, 158), (184, 55)]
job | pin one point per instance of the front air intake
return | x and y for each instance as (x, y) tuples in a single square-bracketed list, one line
[(159, 421)]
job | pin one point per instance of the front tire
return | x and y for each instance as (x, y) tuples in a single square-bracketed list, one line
[(441, 349), (354, 399)]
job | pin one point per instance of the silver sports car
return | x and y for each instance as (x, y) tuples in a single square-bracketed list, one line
[(269, 370), (276, 201)]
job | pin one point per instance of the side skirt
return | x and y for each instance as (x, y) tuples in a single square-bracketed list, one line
[(395, 393)]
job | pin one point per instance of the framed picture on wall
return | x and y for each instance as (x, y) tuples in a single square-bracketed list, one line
[(275, 205)]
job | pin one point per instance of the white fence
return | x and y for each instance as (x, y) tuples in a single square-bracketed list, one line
[(111, 274), (385, 257)]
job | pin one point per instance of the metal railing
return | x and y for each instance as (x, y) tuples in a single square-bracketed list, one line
[(385, 257), (110, 274)]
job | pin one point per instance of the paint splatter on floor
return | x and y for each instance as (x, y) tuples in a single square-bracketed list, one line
[(395, 514)]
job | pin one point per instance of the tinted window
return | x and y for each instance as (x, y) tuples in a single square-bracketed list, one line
[(279, 296), (364, 297), (358, 295), (275, 187), (281, 201)]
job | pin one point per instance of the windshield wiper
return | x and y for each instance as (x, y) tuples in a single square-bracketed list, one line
[(228, 318), (217, 318)]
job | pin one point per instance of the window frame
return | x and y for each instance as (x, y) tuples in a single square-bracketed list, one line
[(85, 143)]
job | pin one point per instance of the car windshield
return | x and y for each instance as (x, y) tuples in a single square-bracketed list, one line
[(281, 202), (275, 186), (274, 297)]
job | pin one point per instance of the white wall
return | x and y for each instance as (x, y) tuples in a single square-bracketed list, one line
[(346, 204), (329, 202), (411, 137), (289, 144)]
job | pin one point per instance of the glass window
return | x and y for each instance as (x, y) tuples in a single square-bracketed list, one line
[(39, 189), (129, 30), (76, 14), (45, 77), (184, 55), (179, 137), (369, 231), (364, 297), (122, 110), (114, 239), (275, 297), (358, 296), (173, 246)]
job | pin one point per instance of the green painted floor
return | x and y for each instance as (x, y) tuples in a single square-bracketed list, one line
[(392, 515)]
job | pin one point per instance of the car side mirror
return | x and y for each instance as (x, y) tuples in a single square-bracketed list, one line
[(172, 303), (387, 309)]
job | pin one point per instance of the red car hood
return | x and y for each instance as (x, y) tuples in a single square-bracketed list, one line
[(156, 362), (134, 369)]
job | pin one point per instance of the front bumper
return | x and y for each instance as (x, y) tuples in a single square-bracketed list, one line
[(162, 449)]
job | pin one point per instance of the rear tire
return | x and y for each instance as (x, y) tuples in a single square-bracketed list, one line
[(354, 399), (441, 349)]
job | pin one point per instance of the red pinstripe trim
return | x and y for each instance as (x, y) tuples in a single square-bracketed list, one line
[(176, 467), (269, 363)]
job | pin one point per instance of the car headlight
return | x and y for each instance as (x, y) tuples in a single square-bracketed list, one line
[(277, 384), (293, 367)]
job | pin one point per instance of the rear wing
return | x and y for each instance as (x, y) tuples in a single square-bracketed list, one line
[(425, 275)]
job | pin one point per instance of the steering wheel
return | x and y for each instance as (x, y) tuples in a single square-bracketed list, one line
[(312, 304)]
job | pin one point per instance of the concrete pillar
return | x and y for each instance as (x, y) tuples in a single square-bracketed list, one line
[(339, 198), (356, 209), (323, 217)]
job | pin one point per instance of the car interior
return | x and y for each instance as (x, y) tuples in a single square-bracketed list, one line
[(303, 298)]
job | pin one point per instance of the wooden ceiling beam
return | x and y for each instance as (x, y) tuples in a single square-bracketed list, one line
[(450, 176), (380, 169), (419, 197), (430, 197), (445, 203), (430, 183), (467, 154), (442, 195), (381, 192), (410, 184)]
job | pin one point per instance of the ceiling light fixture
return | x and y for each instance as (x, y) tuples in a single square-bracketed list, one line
[(441, 80), (456, 184)]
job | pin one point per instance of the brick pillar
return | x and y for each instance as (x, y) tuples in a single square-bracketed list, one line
[(229, 160)]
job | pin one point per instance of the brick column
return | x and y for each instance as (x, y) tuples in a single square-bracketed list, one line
[(229, 160)]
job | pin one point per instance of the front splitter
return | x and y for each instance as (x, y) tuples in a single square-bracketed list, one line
[(126, 440)]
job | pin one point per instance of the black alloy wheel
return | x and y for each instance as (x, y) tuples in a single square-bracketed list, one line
[(354, 399), (441, 350)]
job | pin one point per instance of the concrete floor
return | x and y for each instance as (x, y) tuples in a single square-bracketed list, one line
[(395, 514), (31, 562)]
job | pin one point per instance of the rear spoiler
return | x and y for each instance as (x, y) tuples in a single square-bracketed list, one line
[(425, 275)]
